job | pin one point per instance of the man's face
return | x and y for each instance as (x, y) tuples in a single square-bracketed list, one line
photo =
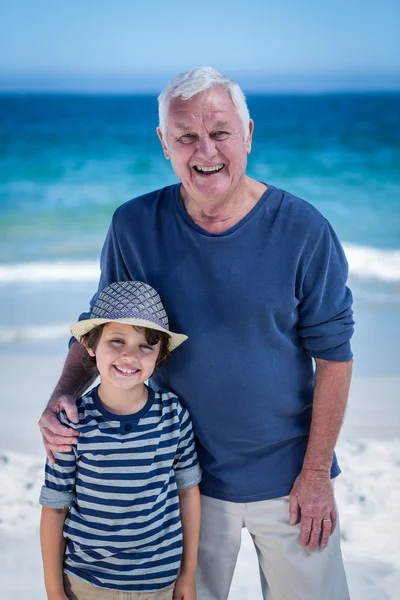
[(205, 143)]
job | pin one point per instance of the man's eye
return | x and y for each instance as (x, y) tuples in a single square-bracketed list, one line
[(187, 138), (221, 135)]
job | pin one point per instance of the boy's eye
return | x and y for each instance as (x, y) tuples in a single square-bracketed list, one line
[(146, 348), (117, 341)]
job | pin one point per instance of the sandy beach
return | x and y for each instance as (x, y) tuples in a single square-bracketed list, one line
[(368, 491)]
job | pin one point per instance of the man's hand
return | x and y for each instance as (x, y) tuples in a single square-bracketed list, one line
[(185, 587), (313, 504), (57, 437)]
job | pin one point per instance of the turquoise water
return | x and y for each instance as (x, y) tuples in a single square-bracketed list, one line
[(68, 161)]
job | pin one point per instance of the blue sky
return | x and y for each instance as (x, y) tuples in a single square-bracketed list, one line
[(126, 45)]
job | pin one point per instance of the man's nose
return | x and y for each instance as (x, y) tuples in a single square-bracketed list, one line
[(206, 147)]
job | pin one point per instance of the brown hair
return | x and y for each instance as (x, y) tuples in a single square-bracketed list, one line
[(152, 336)]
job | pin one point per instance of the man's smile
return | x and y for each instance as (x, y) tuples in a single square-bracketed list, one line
[(208, 169)]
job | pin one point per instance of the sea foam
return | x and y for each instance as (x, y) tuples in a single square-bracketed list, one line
[(365, 262), (57, 271), (34, 333), (373, 263)]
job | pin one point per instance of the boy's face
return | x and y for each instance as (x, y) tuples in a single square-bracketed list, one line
[(123, 357)]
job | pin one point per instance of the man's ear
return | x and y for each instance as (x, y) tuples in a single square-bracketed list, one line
[(250, 136), (163, 144)]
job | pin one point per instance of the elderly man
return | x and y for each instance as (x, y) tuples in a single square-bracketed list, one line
[(257, 279)]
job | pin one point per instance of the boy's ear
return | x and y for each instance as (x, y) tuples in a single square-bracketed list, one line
[(89, 351)]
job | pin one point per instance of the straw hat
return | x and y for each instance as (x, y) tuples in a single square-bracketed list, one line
[(133, 303)]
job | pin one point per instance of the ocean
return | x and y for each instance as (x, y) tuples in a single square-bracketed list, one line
[(68, 161)]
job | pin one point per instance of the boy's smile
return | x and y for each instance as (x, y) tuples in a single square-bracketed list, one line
[(126, 371)]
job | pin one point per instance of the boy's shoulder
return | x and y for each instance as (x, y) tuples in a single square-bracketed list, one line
[(166, 394), (171, 401)]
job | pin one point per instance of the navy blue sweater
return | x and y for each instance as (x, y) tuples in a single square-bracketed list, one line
[(257, 301)]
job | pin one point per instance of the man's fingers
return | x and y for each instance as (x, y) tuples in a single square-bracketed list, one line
[(60, 448), (50, 448), (49, 453), (49, 419), (333, 517), (305, 530), (67, 403), (58, 437), (66, 434), (294, 510), (326, 531), (49, 422), (58, 429), (315, 535)]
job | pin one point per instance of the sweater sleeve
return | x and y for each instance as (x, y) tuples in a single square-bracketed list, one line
[(325, 309)]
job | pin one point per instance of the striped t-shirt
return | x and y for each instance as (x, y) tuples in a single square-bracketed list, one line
[(123, 529)]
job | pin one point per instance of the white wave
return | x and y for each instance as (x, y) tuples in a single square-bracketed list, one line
[(365, 263), (34, 333), (57, 271), (373, 263)]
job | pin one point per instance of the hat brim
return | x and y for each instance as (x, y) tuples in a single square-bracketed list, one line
[(81, 328)]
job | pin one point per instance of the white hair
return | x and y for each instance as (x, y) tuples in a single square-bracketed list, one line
[(198, 80)]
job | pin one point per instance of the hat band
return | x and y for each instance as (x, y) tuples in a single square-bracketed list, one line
[(99, 314)]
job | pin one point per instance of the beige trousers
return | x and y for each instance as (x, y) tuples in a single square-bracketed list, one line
[(287, 570), (76, 589)]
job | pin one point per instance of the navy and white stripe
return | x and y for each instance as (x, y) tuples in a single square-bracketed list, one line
[(123, 529)]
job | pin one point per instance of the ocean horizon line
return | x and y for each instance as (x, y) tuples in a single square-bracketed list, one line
[(153, 81), (154, 93)]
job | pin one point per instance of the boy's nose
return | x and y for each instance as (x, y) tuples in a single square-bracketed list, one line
[(130, 354)]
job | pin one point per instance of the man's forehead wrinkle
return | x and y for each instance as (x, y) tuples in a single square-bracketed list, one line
[(199, 112), (200, 118), (182, 127), (223, 124)]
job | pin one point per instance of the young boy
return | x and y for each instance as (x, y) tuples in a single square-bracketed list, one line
[(115, 509)]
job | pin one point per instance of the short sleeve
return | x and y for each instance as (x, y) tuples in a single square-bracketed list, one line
[(186, 465), (59, 478), (326, 322)]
